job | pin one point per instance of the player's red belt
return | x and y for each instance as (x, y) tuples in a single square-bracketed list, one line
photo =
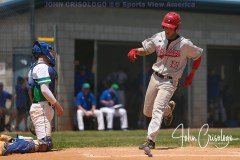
[(162, 76)]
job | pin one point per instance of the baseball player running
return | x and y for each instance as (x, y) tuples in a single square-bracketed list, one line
[(173, 51), (41, 77)]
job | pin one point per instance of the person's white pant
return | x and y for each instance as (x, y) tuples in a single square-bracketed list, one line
[(157, 97), (42, 114), (111, 112), (97, 113)]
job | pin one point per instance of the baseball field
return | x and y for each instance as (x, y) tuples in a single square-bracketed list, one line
[(216, 144)]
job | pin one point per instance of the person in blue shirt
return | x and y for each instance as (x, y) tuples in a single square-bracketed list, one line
[(86, 106), (82, 76), (22, 101), (4, 96), (111, 107), (215, 83)]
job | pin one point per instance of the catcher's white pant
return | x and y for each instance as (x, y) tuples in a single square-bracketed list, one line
[(42, 114), (157, 97), (97, 113), (111, 112)]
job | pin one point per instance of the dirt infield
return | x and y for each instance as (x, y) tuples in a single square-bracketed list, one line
[(132, 153)]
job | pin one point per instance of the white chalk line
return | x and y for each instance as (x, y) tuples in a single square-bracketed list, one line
[(161, 155)]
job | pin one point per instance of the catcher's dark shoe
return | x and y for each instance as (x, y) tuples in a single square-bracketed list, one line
[(168, 119), (149, 143)]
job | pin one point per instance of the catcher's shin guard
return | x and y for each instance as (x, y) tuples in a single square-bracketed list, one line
[(43, 145)]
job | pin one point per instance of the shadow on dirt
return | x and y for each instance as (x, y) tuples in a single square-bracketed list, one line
[(165, 148)]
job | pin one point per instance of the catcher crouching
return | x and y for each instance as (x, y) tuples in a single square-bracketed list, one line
[(42, 77), (9, 145)]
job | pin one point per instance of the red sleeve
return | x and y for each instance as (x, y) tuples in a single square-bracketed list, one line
[(196, 63)]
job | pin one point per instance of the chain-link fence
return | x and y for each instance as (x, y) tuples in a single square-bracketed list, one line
[(17, 34)]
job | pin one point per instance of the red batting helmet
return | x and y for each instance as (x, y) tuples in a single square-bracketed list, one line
[(171, 20)]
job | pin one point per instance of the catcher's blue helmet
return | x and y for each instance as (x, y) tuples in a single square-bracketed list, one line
[(44, 49)]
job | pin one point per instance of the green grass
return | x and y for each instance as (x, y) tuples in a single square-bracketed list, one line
[(73, 139)]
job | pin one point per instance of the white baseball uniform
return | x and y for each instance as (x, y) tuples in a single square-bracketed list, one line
[(96, 113), (171, 62), (111, 113), (41, 112)]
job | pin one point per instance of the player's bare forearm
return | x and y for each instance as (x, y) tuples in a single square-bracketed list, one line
[(51, 99), (48, 94), (93, 107), (104, 103), (58, 108), (132, 55), (82, 109), (12, 102), (141, 51)]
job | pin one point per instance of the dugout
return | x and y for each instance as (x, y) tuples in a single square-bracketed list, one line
[(227, 68)]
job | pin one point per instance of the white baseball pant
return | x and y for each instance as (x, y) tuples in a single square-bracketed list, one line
[(111, 112), (157, 97), (42, 114), (97, 113)]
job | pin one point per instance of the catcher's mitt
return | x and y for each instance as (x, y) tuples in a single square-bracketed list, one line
[(2, 148), (5, 138)]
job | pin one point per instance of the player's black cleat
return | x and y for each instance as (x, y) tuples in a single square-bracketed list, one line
[(168, 119), (149, 143)]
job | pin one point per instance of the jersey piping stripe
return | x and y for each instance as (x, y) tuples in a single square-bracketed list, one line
[(43, 80)]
